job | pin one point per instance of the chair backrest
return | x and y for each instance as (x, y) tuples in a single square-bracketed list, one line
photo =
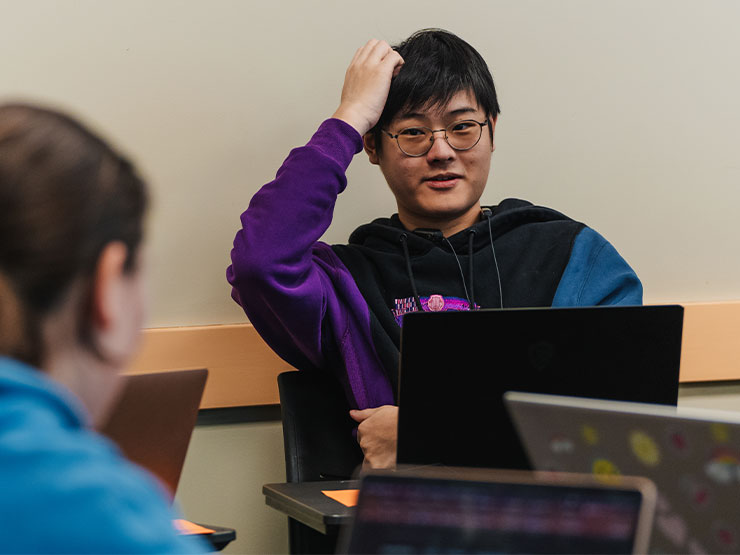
[(317, 429)]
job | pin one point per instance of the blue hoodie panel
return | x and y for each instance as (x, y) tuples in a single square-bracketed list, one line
[(597, 275)]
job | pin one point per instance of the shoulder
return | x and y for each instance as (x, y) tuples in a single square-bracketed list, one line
[(75, 486), (519, 215), (597, 274)]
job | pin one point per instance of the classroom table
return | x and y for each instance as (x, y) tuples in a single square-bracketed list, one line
[(305, 502), (221, 536)]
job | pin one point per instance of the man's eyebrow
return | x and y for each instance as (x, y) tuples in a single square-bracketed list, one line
[(465, 110), (455, 112), (409, 115)]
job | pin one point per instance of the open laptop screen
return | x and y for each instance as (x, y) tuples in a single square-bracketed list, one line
[(426, 515)]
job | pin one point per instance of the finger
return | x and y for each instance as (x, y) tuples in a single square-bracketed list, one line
[(361, 415), (380, 50), (366, 51), (393, 59), (357, 55)]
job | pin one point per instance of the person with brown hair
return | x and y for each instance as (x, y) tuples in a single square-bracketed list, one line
[(71, 307)]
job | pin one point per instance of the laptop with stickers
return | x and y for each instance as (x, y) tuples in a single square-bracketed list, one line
[(456, 366), (692, 455), (456, 510)]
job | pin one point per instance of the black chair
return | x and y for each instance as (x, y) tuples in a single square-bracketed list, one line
[(319, 444)]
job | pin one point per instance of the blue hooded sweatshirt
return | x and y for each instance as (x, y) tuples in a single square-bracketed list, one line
[(65, 488)]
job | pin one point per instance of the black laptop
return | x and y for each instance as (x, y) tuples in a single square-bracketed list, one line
[(456, 366)]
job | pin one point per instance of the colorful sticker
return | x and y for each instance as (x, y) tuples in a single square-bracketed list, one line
[(720, 432), (723, 467), (698, 493), (561, 445), (644, 448), (678, 441), (589, 434), (605, 467), (724, 535)]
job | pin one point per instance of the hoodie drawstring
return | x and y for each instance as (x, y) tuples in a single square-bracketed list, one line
[(487, 214), (471, 236), (459, 266), (469, 295), (409, 272)]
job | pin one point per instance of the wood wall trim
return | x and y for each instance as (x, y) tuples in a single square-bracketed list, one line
[(243, 369), (710, 349)]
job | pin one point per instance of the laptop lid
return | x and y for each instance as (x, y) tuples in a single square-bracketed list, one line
[(692, 455), (154, 418), (456, 366), (454, 510)]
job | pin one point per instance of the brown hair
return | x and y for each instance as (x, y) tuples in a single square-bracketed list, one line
[(64, 194)]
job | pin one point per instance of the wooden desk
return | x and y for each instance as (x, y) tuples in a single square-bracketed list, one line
[(304, 502), (220, 538)]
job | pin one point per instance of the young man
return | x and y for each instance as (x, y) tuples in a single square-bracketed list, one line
[(426, 113)]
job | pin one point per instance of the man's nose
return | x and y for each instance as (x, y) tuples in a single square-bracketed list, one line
[(441, 149)]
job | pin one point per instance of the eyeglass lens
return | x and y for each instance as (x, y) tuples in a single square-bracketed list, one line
[(461, 135)]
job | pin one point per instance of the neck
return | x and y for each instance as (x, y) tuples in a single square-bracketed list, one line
[(448, 226), (94, 381)]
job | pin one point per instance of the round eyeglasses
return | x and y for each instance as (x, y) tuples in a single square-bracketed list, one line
[(417, 141)]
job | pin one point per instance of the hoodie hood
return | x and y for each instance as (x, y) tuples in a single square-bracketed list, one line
[(384, 234)]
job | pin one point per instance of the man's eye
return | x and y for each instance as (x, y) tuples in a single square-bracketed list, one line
[(412, 132), (461, 126)]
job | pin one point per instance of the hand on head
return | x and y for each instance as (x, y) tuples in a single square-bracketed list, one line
[(366, 85), (377, 435)]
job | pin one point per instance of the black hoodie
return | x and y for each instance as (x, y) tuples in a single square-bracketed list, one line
[(393, 266)]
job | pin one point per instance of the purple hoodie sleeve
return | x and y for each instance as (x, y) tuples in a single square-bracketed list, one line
[(295, 291)]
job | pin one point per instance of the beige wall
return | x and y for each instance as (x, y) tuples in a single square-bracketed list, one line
[(221, 483), (621, 113)]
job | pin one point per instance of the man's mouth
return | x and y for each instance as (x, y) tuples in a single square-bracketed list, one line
[(442, 180)]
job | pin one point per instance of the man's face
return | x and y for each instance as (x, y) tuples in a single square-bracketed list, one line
[(444, 185)]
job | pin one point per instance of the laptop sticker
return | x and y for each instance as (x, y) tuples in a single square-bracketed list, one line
[(678, 441), (589, 434), (724, 535), (723, 467), (697, 492), (561, 445), (720, 432), (644, 448), (604, 466)]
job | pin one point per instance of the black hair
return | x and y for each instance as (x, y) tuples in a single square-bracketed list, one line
[(437, 65)]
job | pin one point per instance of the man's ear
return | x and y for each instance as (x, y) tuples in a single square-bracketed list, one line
[(106, 286), (368, 140), (492, 123)]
